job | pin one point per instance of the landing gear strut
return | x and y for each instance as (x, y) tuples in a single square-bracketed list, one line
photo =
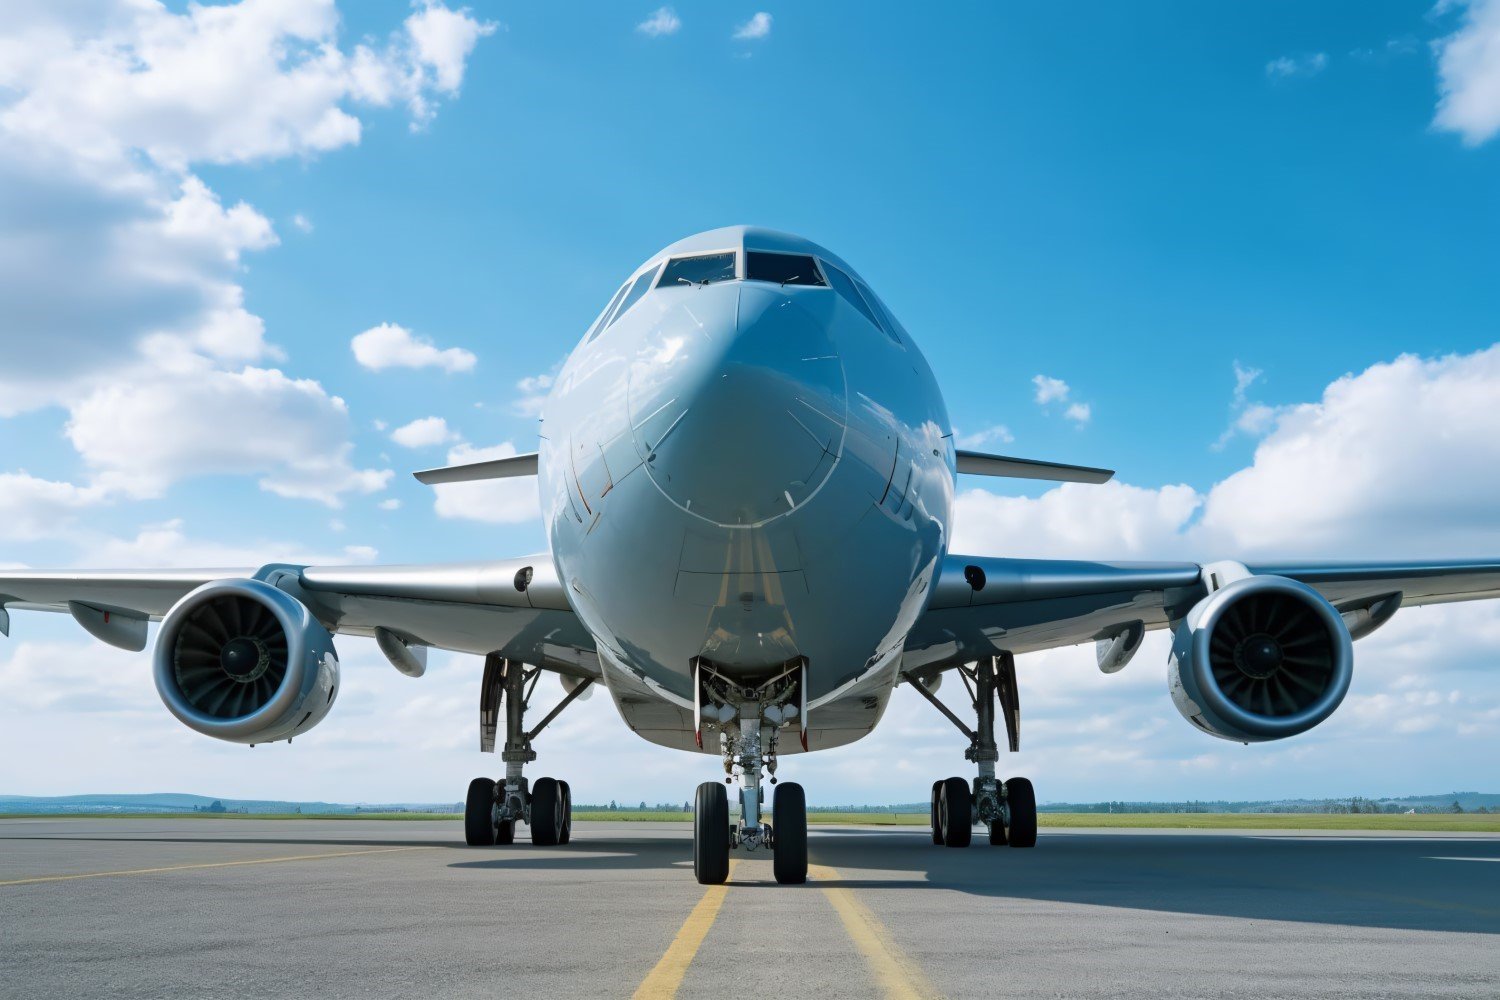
[(1008, 809), (749, 720), (493, 807)]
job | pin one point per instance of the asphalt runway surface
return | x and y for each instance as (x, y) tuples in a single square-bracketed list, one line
[(315, 908)]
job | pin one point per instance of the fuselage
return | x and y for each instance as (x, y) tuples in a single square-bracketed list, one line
[(746, 459)]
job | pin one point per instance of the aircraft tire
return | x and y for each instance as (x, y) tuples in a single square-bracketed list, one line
[(1021, 798), (505, 832), (546, 812), (789, 820), (937, 822), (479, 813), (566, 833), (957, 808), (711, 834)]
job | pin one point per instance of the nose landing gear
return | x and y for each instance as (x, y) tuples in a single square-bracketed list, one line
[(747, 749), (492, 807), (1008, 809)]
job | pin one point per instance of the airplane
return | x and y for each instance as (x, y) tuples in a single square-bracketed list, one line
[(747, 474)]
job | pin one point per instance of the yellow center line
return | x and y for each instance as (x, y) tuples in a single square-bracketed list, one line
[(211, 864), (895, 973), (662, 982)]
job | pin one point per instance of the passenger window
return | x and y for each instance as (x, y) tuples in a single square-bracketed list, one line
[(641, 286), (604, 316), (782, 268), (844, 285), (698, 270)]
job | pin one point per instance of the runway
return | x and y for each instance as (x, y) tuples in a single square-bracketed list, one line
[(252, 908)]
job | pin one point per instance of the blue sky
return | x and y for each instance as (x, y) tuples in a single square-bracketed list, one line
[(1131, 203)]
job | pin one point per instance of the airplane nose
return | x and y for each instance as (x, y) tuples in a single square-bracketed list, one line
[(745, 419)]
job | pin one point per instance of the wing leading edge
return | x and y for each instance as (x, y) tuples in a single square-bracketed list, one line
[(983, 605), (516, 607)]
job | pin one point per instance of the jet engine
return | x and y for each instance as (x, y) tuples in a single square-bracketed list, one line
[(241, 661), (1261, 658)]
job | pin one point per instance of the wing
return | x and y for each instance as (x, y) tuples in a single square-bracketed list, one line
[(981, 606), (515, 607)]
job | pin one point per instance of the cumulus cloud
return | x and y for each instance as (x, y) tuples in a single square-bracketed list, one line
[(1051, 390), (423, 433), (168, 545), (196, 420), (533, 391), (1469, 74), (998, 434), (663, 21), (497, 501), (32, 508), (1286, 67), (1400, 460), (759, 26), (391, 346)]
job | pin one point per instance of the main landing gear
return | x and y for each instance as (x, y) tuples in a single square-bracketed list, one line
[(1008, 809), (749, 722), (494, 807)]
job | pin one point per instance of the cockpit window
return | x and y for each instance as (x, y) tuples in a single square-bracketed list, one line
[(698, 270), (782, 268), (639, 287), (844, 285), (604, 316), (890, 322)]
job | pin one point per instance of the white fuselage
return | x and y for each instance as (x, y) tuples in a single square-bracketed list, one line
[(748, 472)]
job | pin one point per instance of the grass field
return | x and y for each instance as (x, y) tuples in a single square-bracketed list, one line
[(1432, 822)]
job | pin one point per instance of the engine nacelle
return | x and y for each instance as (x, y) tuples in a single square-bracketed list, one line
[(1262, 658), (241, 661)]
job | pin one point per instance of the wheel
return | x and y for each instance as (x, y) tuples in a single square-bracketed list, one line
[(997, 833), (711, 834), (789, 821), (1020, 799), (937, 822), (546, 812), (956, 806), (479, 813), (566, 834), (505, 832)]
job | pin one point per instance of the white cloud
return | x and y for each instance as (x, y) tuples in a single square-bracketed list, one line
[(223, 83), (1076, 521), (497, 501), (1469, 74), (1245, 417), (168, 544), (391, 346), (759, 26), (301, 223), (998, 434), (533, 391), (423, 433), (663, 21), (194, 420), (1400, 460), (1284, 67), (390, 504), (33, 508), (1051, 390), (443, 39)]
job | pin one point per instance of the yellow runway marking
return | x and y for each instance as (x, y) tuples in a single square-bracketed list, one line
[(896, 974), (662, 982), (211, 864)]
